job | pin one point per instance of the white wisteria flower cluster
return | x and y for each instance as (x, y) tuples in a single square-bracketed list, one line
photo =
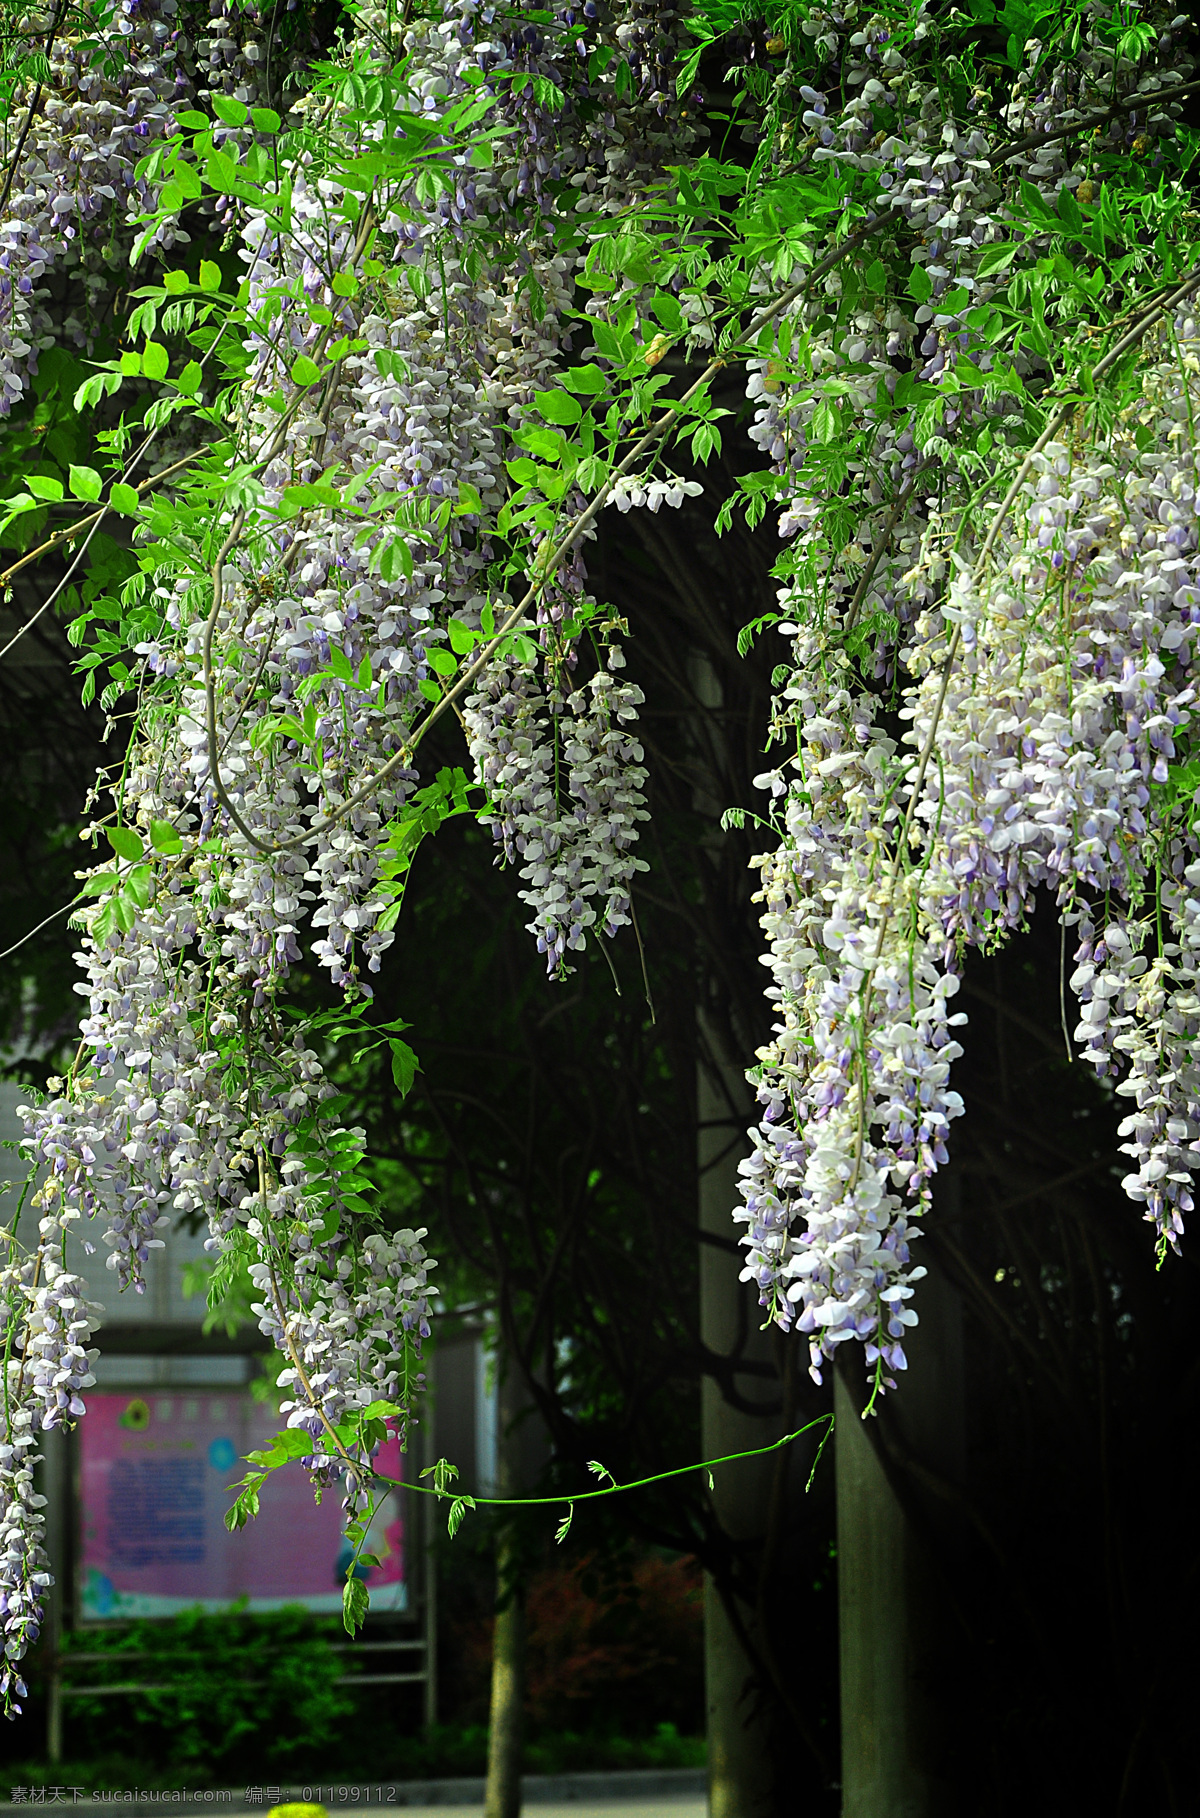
[(465, 306), (989, 682), (272, 761)]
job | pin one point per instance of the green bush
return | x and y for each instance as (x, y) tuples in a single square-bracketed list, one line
[(230, 1694), (234, 1699)]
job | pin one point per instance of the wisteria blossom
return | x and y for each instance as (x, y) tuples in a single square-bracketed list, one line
[(1037, 652), (470, 310), (271, 764)]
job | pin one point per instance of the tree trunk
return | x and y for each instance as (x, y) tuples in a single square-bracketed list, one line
[(507, 1716), (740, 1778), (506, 1723), (897, 1629)]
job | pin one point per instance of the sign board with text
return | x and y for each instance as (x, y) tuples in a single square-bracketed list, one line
[(155, 1476)]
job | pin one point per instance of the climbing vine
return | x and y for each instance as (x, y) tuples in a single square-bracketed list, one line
[(365, 334)]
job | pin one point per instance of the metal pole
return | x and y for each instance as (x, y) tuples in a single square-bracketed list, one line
[(56, 1481), (430, 1613), (423, 1531)]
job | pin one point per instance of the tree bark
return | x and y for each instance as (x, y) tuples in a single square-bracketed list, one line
[(740, 1777), (897, 1627), (506, 1722)]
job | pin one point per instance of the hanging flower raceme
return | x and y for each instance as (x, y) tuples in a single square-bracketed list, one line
[(1037, 647), (854, 1083), (988, 688), (564, 780), (271, 761)]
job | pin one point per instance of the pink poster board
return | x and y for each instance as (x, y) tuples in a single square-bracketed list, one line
[(155, 1474)]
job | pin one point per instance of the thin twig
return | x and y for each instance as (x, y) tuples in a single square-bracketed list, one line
[(1129, 105), (210, 692), (877, 554), (91, 524), (94, 519), (15, 160)]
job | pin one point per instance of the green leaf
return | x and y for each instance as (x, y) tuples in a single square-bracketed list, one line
[(613, 346), (558, 406), (547, 94), (86, 483), (996, 258), (1037, 205), (443, 1474), (356, 1601), (405, 1066), (221, 173), (100, 385), (458, 1509), (176, 282), (43, 487), (920, 284), (155, 360), (100, 883), (462, 639), (429, 689), (588, 380), (667, 310), (826, 422), (292, 1443), (189, 379), (164, 838), (1068, 209), (395, 559), (124, 499), (441, 662), (305, 371), (246, 1506), (195, 122), (137, 885), (706, 440), (564, 1526), (265, 120), (125, 842), (131, 365), (234, 113), (210, 275), (687, 73), (345, 284), (379, 1410), (954, 302)]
